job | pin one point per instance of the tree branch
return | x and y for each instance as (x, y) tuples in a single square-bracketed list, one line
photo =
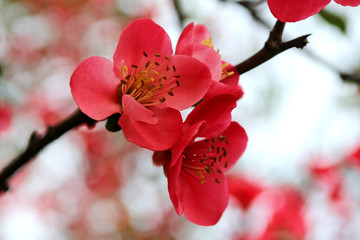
[(37, 142), (273, 46)]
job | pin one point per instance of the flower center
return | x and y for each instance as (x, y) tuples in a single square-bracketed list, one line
[(210, 158), (150, 83), (225, 73)]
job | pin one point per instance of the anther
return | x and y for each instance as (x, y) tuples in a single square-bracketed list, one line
[(177, 76), (218, 170), (171, 92), (134, 66), (177, 83), (167, 58), (217, 180), (145, 54), (226, 164), (162, 99), (157, 55), (167, 68), (123, 81), (157, 64), (221, 137), (147, 64), (174, 69), (225, 152)]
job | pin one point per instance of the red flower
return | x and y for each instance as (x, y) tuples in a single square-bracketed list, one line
[(243, 189), (195, 41), (145, 84), (5, 116), (195, 167), (296, 10), (287, 220)]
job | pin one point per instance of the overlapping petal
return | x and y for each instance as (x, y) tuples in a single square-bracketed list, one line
[(93, 86), (141, 35), (194, 81), (159, 136), (215, 112), (191, 43)]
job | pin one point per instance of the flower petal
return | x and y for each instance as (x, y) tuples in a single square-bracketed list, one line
[(194, 81), (352, 3), (205, 203), (188, 135), (192, 34), (157, 137), (93, 86), (221, 88), (142, 35), (136, 111), (237, 142), (216, 112), (295, 10), (190, 44)]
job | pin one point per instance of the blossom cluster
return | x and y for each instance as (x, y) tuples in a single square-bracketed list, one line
[(142, 92)]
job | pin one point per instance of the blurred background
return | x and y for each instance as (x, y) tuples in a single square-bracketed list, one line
[(298, 178)]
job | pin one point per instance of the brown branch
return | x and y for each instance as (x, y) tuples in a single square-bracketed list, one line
[(37, 142), (273, 46), (351, 78)]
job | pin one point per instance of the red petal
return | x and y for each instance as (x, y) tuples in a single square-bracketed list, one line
[(216, 112), (136, 111), (173, 169), (157, 137), (295, 10), (94, 88), (142, 35), (189, 133), (204, 203), (352, 3), (190, 43), (221, 88), (195, 80), (192, 34), (174, 185), (237, 138)]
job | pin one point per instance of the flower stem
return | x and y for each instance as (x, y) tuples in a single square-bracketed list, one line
[(37, 142)]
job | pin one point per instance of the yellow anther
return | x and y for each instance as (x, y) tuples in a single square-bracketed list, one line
[(208, 42)]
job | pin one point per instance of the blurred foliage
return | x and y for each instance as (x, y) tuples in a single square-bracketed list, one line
[(334, 19)]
